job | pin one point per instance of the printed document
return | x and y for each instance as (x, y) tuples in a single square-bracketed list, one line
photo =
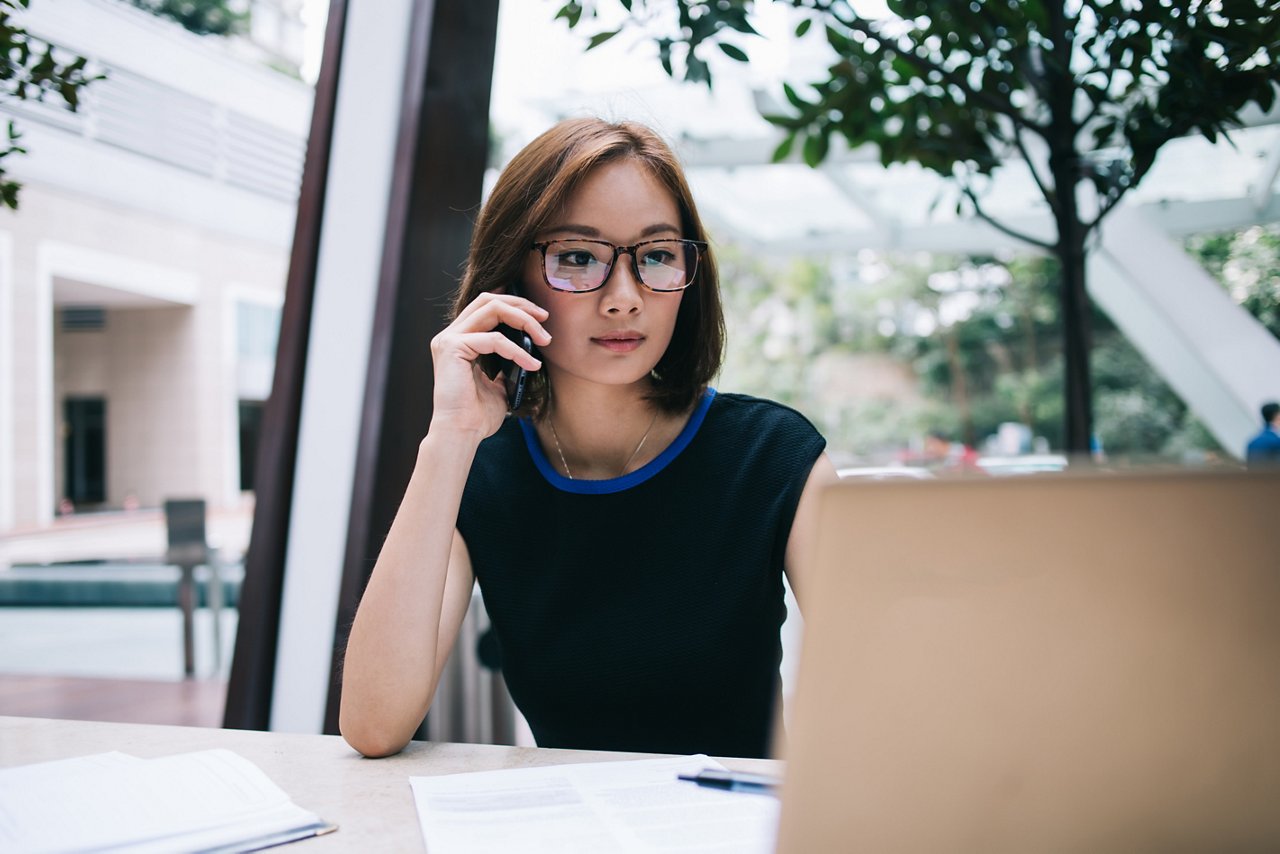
[(629, 806), (205, 800)]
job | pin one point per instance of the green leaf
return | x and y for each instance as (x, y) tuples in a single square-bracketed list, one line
[(571, 12), (733, 18), (816, 146), (664, 56), (733, 52), (803, 27), (600, 38), (796, 101), (783, 151), (696, 70), (9, 194)]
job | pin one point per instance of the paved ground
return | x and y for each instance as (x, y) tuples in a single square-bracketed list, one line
[(124, 643), (116, 643)]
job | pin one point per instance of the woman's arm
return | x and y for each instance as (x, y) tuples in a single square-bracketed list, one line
[(804, 532), (410, 611), (421, 584)]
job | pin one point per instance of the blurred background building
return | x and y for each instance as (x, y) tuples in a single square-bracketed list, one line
[(142, 277)]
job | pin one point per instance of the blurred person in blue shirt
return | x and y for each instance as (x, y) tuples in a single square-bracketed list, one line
[(1263, 450)]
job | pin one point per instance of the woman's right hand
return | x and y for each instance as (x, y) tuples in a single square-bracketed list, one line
[(465, 398)]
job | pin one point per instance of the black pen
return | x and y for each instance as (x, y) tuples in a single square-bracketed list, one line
[(734, 781)]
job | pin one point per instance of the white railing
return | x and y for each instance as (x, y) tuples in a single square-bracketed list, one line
[(148, 118)]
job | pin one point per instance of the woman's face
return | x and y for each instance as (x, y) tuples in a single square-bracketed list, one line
[(617, 334)]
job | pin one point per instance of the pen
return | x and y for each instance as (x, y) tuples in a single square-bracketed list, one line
[(734, 781)]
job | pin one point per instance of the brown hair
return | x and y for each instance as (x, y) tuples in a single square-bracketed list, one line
[(537, 183)]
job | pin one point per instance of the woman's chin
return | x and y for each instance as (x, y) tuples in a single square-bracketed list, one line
[(637, 377)]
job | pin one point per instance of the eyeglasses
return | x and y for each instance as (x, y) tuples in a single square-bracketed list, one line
[(581, 265)]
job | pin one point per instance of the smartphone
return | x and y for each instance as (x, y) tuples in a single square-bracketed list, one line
[(515, 376)]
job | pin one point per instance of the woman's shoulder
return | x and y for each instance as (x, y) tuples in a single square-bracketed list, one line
[(734, 407), (755, 428), (760, 445), (497, 450)]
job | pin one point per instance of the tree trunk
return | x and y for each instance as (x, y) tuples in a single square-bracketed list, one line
[(1066, 168), (1077, 328)]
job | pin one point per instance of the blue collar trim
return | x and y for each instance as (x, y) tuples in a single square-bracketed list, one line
[(617, 484)]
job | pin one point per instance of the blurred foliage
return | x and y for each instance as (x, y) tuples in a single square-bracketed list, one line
[(203, 17), (33, 70), (978, 340), (1247, 263)]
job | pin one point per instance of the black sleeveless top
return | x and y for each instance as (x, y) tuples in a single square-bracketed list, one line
[(642, 613)]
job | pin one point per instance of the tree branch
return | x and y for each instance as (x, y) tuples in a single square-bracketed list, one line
[(1050, 194), (1108, 205), (1097, 107), (999, 226)]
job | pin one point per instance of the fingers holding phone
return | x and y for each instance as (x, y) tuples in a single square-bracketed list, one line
[(514, 372), (474, 354)]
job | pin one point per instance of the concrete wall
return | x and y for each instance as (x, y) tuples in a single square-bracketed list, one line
[(165, 361)]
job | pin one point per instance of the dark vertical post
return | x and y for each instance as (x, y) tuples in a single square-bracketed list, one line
[(437, 181), (253, 665)]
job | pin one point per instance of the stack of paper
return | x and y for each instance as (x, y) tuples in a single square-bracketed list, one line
[(207, 800), (607, 806)]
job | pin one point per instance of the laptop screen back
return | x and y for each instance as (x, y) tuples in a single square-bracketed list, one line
[(1040, 663)]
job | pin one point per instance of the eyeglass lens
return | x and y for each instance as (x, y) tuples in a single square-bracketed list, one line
[(583, 265)]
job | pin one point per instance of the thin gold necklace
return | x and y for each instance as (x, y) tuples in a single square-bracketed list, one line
[(556, 437)]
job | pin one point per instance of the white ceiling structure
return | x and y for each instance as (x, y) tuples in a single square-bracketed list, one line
[(1221, 361), (852, 201)]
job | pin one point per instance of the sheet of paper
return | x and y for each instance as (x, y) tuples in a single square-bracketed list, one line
[(191, 801), (631, 806)]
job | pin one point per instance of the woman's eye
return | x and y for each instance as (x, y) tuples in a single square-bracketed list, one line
[(656, 257), (580, 258)]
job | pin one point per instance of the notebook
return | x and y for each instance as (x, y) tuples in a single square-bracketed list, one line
[(1040, 663)]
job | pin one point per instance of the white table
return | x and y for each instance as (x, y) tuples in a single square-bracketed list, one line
[(369, 799)]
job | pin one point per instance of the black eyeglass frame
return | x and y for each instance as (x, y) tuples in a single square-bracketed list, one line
[(699, 247)]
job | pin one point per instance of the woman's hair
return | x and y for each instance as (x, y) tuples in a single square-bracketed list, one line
[(537, 184)]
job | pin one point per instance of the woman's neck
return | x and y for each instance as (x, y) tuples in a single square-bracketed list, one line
[(593, 432)]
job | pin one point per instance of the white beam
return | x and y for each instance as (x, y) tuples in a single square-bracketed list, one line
[(1219, 359), (883, 222)]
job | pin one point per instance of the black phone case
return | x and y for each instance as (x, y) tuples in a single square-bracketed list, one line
[(516, 377)]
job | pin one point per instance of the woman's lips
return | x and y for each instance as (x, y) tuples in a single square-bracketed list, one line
[(619, 344)]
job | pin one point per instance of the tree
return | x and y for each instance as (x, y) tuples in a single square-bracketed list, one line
[(203, 17), (1084, 92), (31, 71)]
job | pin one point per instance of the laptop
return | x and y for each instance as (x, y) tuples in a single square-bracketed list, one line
[(1040, 663)]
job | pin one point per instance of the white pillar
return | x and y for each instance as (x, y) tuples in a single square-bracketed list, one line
[(366, 123)]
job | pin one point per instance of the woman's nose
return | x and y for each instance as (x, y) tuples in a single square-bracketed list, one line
[(622, 293)]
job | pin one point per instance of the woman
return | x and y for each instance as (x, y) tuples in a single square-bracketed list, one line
[(629, 530)]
